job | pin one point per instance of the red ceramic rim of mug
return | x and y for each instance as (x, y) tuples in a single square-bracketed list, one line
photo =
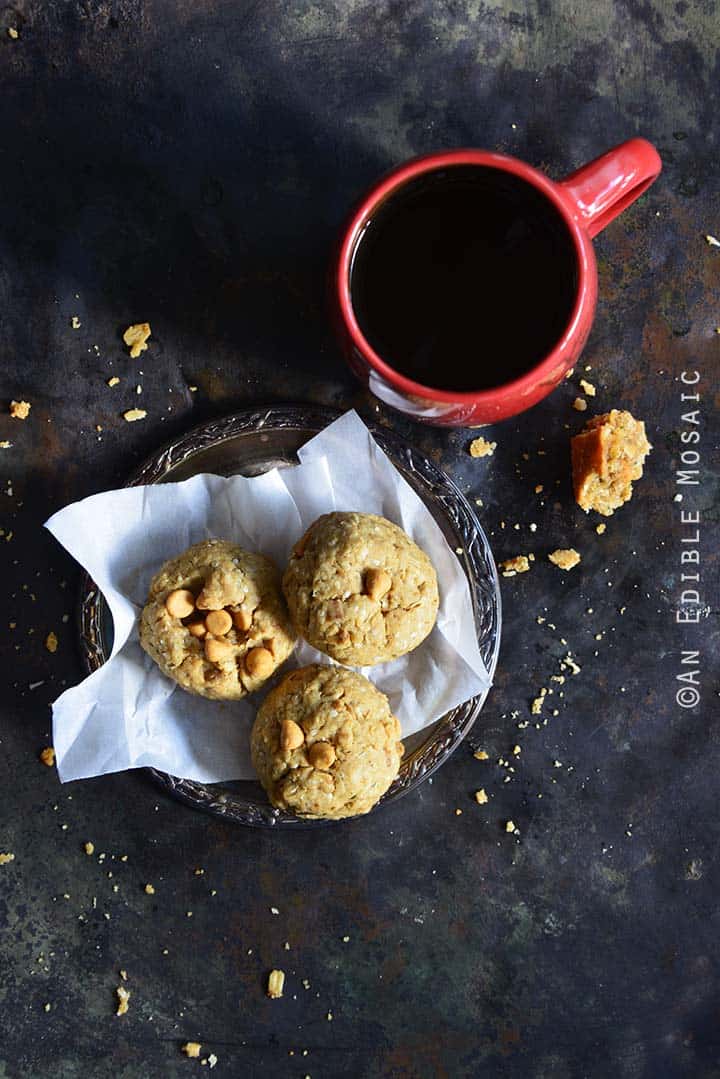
[(581, 229)]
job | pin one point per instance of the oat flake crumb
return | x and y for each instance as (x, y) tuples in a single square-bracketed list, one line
[(480, 447), (20, 410), (135, 337), (519, 564), (134, 414), (48, 756), (565, 558), (192, 1049), (276, 982)]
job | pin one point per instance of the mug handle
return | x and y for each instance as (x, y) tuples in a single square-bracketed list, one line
[(603, 188)]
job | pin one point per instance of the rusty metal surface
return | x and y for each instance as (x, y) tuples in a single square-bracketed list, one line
[(190, 163)]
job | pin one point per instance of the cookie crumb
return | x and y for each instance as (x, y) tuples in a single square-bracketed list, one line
[(5, 859), (51, 642), (192, 1049), (509, 826), (712, 241), (123, 973), (89, 847), (114, 381), (123, 996), (600, 529), (579, 404), (480, 755), (134, 414), (481, 797), (565, 558), (47, 756), (480, 447), (587, 387), (518, 564), (13, 33), (276, 983), (212, 1060), (149, 890), (20, 410), (135, 337), (75, 322)]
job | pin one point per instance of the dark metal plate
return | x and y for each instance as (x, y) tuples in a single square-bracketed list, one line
[(249, 443)]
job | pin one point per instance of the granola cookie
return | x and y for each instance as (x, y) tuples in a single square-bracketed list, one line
[(325, 743), (215, 620), (607, 456), (360, 590)]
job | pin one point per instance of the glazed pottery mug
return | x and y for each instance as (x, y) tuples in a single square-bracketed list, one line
[(539, 266)]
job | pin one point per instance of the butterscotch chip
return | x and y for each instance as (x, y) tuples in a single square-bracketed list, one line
[(259, 662), (134, 414), (360, 590), (276, 984), (565, 558), (135, 337), (47, 756), (351, 750), (480, 447), (180, 603), (20, 410), (217, 650), (378, 583), (322, 755), (192, 1049), (218, 622), (223, 577), (291, 735), (242, 618), (607, 456)]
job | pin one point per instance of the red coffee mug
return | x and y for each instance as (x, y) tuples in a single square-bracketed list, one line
[(587, 201)]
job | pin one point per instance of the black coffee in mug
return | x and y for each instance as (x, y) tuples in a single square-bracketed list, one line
[(464, 279)]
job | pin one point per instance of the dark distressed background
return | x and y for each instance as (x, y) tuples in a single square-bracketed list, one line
[(189, 162)]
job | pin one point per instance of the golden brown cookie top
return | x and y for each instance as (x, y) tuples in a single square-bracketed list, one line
[(325, 743), (360, 590), (215, 620)]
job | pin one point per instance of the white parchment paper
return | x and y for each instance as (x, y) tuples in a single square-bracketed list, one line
[(129, 715)]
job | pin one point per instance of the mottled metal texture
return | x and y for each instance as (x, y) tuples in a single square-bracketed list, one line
[(190, 163)]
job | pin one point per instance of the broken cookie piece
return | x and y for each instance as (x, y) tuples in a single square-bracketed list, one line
[(565, 558), (20, 410), (480, 447), (607, 456)]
